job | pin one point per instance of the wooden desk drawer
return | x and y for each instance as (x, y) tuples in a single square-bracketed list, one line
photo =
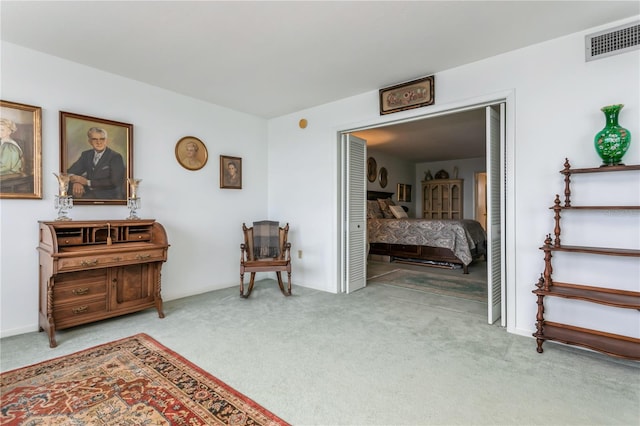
[(113, 259), (79, 291), (80, 285), (144, 256), (71, 312), (139, 236), (69, 240)]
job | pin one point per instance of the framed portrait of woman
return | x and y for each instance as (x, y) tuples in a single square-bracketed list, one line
[(191, 153), (230, 172), (20, 151)]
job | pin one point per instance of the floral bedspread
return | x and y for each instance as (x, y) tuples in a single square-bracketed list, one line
[(460, 236)]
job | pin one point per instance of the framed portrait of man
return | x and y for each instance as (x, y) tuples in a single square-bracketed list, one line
[(97, 154), (230, 172), (20, 150)]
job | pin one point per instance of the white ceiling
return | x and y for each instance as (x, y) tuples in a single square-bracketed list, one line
[(446, 137), (270, 58)]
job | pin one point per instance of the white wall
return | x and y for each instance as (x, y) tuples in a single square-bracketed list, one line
[(203, 222), (556, 112)]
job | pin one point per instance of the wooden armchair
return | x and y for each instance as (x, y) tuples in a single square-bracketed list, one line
[(265, 249)]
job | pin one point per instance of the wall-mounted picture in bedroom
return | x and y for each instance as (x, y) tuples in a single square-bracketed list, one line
[(98, 156), (404, 193), (20, 151), (372, 169), (384, 177)]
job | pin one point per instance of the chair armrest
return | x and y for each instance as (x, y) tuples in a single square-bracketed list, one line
[(287, 251)]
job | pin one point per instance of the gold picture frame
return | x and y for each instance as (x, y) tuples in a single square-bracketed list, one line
[(230, 172), (106, 181), (21, 132), (404, 96), (191, 153), (404, 193), (383, 177), (372, 169)]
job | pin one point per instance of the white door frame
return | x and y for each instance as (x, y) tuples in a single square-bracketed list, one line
[(508, 256)]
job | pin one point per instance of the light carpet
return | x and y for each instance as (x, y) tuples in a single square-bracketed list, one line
[(449, 285)]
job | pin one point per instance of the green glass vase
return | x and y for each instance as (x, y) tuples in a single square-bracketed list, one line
[(613, 141)]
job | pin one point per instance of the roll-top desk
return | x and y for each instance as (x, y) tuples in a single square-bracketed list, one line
[(92, 270)]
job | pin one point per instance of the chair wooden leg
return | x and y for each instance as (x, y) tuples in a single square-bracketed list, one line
[(289, 282), (250, 289), (281, 285)]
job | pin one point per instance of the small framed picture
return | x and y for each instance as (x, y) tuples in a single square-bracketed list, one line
[(372, 169), (191, 153), (404, 193), (383, 177), (98, 156), (230, 172), (20, 151), (413, 94)]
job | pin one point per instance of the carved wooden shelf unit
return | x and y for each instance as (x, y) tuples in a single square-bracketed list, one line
[(442, 199), (612, 344), (92, 270)]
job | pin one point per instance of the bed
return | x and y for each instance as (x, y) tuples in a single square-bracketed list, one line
[(457, 242)]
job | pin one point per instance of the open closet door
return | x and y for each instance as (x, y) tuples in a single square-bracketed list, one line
[(354, 225), (495, 216)]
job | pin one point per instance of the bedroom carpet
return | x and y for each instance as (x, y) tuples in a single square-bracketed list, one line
[(458, 285)]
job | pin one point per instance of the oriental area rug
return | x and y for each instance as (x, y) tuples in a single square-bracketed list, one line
[(456, 285), (133, 381)]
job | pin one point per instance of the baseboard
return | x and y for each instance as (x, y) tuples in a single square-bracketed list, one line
[(17, 331)]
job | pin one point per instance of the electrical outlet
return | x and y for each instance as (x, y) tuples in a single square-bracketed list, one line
[(299, 254)]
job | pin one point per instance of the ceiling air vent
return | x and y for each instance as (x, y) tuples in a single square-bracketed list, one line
[(613, 41)]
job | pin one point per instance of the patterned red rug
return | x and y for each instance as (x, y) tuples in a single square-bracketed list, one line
[(133, 381)]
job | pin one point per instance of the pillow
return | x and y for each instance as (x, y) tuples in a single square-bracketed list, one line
[(384, 206), (373, 210), (398, 212)]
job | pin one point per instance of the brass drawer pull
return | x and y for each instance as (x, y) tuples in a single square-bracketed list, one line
[(143, 256), (80, 291), (80, 310), (93, 262)]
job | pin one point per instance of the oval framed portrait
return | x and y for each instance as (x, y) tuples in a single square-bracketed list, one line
[(383, 177), (191, 153), (372, 169)]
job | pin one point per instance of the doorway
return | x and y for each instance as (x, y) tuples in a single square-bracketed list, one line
[(495, 172)]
